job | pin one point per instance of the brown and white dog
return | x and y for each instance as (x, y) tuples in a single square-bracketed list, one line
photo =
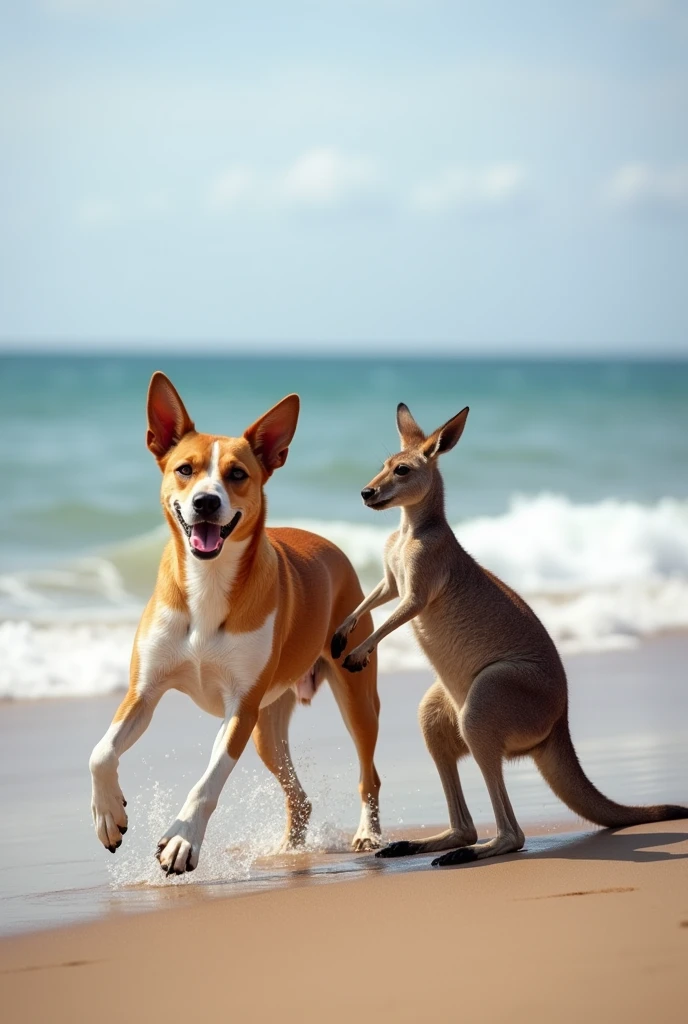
[(240, 620)]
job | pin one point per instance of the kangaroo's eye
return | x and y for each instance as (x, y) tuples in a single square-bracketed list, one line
[(237, 474), (401, 470), (185, 469)]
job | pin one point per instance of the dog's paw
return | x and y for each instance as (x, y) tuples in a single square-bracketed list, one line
[(179, 849), (356, 661), (337, 645), (109, 816), (364, 842)]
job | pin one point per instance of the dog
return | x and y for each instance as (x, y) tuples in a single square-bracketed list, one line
[(240, 620), (501, 689)]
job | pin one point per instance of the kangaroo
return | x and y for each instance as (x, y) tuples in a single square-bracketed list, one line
[(501, 688)]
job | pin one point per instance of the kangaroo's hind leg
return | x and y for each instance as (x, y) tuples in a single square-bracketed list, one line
[(509, 710), (439, 722), (358, 701), (271, 739)]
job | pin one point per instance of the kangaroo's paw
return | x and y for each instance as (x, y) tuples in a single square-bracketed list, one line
[(447, 840), (338, 644), (496, 847), (357, 660), (402, 848)]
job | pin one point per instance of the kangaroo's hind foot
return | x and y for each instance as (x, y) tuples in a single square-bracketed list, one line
[(447, 840)]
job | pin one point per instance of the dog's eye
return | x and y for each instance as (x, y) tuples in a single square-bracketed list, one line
[(185, 470), (237, 474), (401, 470)]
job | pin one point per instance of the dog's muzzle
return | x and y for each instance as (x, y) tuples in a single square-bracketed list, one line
[(206, 538)]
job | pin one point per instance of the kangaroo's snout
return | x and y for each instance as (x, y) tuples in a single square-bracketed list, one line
[(367, 492), (206, 504)]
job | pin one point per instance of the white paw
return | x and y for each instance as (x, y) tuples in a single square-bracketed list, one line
[(367, 840), (368, 834), (109, 816), (179, 849)]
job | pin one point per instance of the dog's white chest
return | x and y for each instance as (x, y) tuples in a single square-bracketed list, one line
[(215, 667)]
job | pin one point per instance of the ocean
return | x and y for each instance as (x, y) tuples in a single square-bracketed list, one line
[(570, 482)]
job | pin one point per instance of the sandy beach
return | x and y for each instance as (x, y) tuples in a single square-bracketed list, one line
[(593, 927), (582, 918)]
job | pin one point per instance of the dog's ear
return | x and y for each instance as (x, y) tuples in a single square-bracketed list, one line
[(271, 435), (444, 438), (168, 420), (410, 433)]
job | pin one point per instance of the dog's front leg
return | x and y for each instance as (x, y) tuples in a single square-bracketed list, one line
[(131, 720), (179, 849)]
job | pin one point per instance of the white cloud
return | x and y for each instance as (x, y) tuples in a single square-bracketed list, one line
[(231, 189), (457, 187), (95, 212), (637, 186), (322, 178), (327, 177)]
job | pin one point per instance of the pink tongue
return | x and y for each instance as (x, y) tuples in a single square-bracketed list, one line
[(205, 537)]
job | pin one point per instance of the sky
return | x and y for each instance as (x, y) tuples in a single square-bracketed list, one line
[(345, 175)]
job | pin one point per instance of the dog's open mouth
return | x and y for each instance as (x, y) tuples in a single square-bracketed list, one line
[(206, 539)]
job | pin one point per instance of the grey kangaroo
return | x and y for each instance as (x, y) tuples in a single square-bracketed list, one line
[(501, 687)]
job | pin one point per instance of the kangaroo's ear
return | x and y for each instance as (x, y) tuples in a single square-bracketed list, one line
[(409, 432), (168, 420), (271, 435), (444, 438)]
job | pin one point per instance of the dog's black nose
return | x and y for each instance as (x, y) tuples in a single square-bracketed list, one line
[(367, 492), (206, 504)]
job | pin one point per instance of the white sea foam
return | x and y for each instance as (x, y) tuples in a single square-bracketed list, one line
[(599, 575)]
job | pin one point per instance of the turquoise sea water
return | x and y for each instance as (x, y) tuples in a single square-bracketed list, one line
[(571, 479)]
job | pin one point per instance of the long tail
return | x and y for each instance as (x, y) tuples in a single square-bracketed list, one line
[(558, 762)]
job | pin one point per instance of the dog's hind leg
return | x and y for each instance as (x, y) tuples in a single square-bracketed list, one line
[(440, 725), (358, 701), (271, 739)]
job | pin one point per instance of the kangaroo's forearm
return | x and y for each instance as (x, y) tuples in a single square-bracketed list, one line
[(383, 592), (407, 610)]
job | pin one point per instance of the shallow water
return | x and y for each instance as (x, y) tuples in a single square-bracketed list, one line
[(629, 720)]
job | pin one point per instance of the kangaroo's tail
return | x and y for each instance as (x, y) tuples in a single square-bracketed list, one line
[(558, 762)]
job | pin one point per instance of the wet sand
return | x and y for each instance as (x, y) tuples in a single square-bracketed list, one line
[(593, 927), (629, 717)]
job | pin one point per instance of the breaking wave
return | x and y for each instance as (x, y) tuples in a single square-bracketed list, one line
[(599, 575)]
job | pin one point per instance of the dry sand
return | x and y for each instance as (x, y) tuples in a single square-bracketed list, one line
[(593, 928)]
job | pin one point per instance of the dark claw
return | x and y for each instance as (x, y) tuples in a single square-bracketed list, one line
[(462, 856), (338, 645), (111, 848), (190, 866), (351, 666), (403, 848), (123, 828), (118, 844), (124, 802)]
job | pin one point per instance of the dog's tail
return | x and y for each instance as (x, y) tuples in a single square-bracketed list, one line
[(558, 762)]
